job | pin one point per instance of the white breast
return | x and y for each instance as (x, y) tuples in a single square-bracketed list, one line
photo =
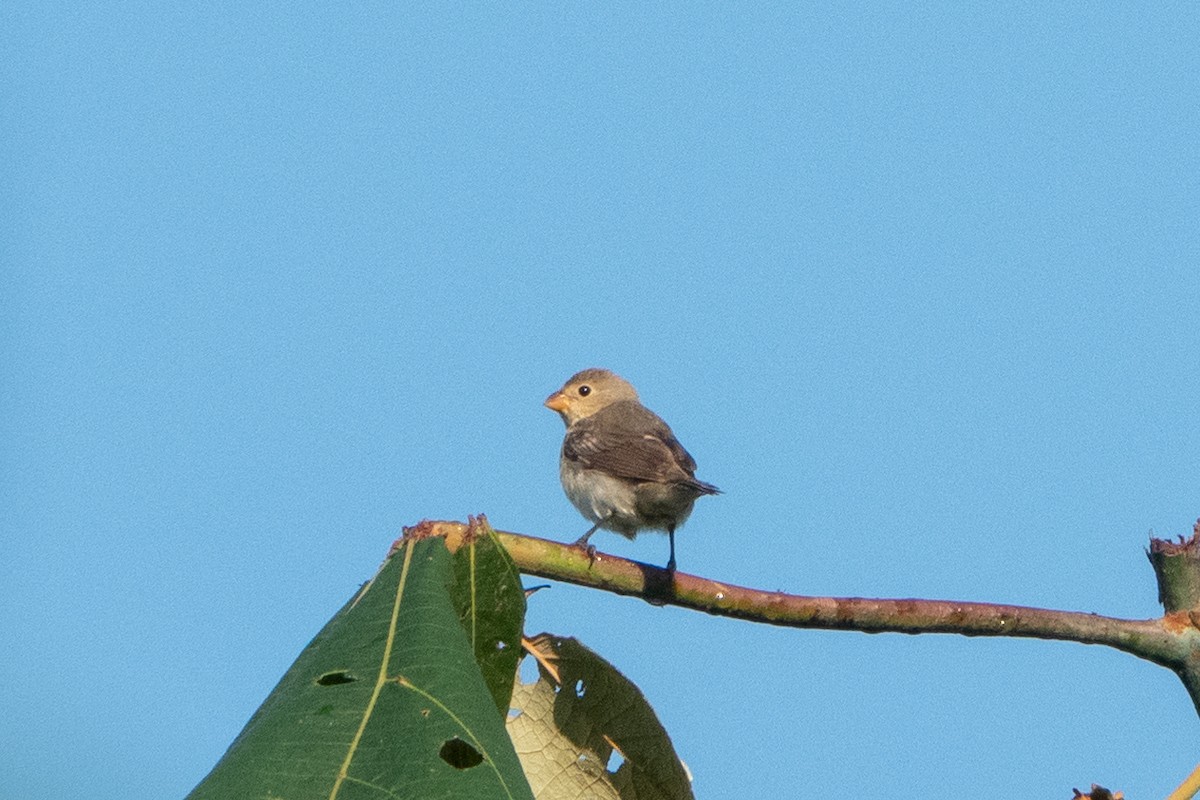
[(599, 496)]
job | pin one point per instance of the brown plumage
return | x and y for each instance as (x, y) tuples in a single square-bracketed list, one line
[(621, 465)]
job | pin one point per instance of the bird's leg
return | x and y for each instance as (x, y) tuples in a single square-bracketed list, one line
[(583, 540), (671, 538)]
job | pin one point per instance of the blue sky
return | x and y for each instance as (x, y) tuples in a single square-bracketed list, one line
[(916, 285)]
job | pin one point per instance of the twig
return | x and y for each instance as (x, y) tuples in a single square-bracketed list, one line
[(1172, 641)]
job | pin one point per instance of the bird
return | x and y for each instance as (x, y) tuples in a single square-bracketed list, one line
[(621, 464)]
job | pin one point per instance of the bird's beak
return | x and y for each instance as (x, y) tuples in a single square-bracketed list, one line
[(557, 402)]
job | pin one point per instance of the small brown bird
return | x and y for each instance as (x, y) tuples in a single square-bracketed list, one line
[(621, 465)]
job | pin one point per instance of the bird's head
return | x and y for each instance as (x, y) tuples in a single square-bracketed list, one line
[(589, 391)]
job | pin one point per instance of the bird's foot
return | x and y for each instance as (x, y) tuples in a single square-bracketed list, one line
[(590, 549)]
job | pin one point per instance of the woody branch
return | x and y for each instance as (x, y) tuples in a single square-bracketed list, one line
[(1172, 641)]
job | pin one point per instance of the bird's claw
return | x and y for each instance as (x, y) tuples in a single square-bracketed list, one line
[(589, 549)]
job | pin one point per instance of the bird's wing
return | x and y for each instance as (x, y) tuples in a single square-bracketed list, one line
[(629, 441)]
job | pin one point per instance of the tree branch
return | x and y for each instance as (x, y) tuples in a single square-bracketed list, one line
[(1172, 641)]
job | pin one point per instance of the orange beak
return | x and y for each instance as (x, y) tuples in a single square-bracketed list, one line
[(557, 402)]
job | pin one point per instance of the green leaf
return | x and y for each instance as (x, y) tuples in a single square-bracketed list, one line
[(386, 702), (575, 715), (491, 606)]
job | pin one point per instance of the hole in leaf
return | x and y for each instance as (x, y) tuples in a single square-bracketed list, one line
[(513, 713), (615, 757), (528, 670), (501, 644), (336, 678), (459, 754), (579, 688)]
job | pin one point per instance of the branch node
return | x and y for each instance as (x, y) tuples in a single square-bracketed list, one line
[(1177, 570)]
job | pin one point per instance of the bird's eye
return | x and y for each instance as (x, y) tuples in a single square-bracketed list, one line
[(585, 390)]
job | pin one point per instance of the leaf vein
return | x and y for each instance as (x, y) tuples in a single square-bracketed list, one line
[(380, 680), (406, 683)]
